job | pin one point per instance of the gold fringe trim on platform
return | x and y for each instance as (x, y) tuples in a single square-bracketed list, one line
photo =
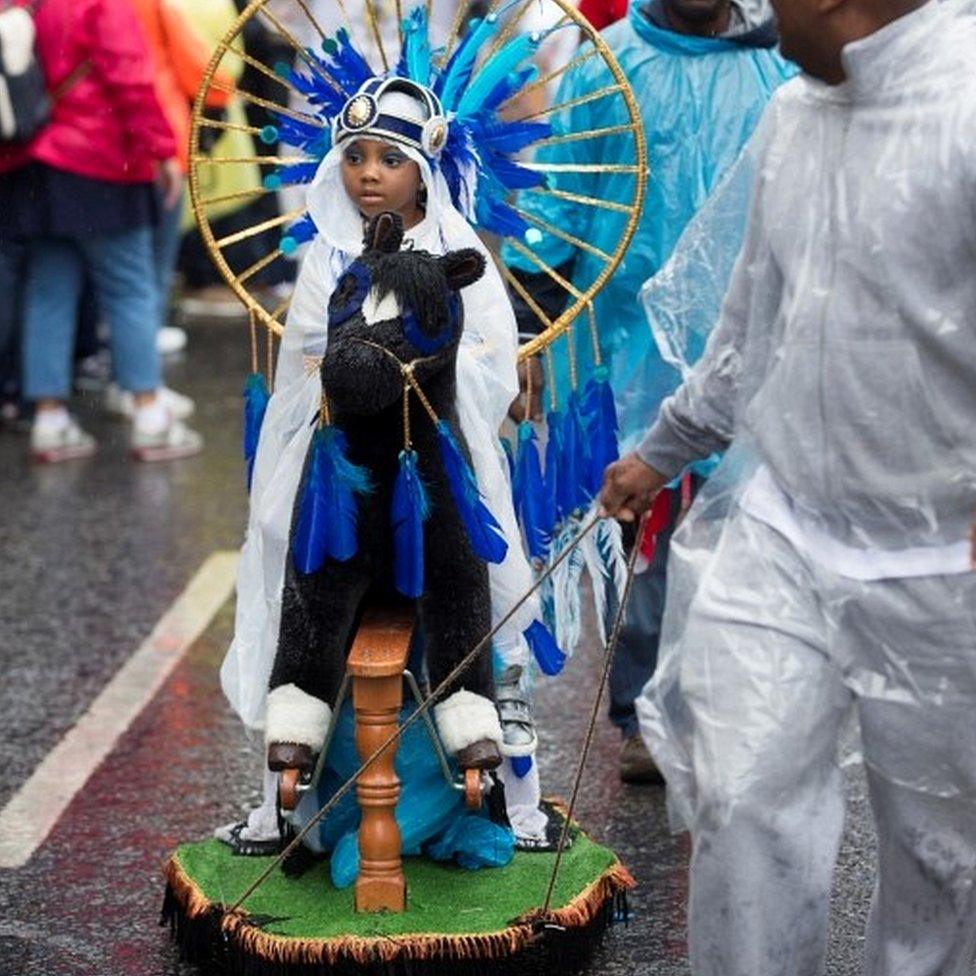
[(289, 950)]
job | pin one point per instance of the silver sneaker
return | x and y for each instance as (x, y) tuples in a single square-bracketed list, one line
[(175, 441), (68, 443), (515, 713)]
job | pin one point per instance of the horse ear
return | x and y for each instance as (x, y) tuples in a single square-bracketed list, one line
[(463, 267), (384, 233)]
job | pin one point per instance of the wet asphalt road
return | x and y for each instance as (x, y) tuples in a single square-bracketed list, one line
[(93, 554)]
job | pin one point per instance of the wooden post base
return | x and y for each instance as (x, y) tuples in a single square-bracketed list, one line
[(376, 663)]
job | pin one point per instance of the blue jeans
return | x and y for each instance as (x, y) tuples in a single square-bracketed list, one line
[(122, 271), (640, 632)]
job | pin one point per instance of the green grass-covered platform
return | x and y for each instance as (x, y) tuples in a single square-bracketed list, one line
[(457, 922)]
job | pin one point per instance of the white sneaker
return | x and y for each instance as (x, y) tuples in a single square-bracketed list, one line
[(170, 340), (53, 445), (122, 402), (174, 441)]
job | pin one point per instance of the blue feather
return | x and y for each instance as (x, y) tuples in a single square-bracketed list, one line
[(347, 66), (256, 399), (548, 656), (511, 137), (415, 57), (511, 175), (576, 454), (484, 533), (530, 497), (327, 517), (410, 510), (509, 87), (554, 426), (572, 471), (498, 217), (498, 67), (510, 459), (600, 418), (454, 78), (296, 173), (300, 232)]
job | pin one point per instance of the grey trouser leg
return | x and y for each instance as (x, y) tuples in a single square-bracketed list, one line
[(767, 707), (775, 650), (910, 647)]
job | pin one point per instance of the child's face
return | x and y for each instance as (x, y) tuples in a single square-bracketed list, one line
[(378, 176)]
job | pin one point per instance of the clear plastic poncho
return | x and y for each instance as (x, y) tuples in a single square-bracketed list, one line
[(824, 569), (486, 386)]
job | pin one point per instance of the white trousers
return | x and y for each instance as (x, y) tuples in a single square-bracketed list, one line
[(776, 650)]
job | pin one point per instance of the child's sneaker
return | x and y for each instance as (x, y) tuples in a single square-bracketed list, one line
[(175, 440), (51, 443)]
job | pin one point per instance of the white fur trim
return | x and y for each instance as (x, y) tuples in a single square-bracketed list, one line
[(296, 716), (466, 718)]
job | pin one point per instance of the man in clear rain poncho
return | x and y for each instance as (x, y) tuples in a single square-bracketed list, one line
[(826, 566)]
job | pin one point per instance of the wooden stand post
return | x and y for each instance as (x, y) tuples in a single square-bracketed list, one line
[(376, 663)]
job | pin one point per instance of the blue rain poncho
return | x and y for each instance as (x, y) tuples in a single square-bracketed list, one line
[(700, 98)]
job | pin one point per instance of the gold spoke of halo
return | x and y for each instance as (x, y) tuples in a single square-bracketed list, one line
[(551, 76), (316, 26), (509, 29), (259, 191), (300, 50), (562, 235), (375, 27), (571, 103), (548, 268), (523, 293), (557, 140), (260, 160), (581, 198), (270, 106), (580, 167), (399, 17), (263, 69), (260, 265), (255, 229), (454, 36), (230, 126), (280, 310)]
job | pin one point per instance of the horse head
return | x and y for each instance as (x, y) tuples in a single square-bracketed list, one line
[(392, 307)]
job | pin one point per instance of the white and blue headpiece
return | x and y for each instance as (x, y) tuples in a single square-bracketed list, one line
[(445, 109)]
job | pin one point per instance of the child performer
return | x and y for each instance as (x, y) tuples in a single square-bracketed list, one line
[(387, 154)]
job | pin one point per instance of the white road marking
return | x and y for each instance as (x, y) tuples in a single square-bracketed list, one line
[(33, 811)]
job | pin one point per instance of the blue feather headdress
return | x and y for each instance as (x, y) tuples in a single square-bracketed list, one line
[(466, 139)]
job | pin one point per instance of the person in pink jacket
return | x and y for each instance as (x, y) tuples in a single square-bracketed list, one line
[(88, 201)]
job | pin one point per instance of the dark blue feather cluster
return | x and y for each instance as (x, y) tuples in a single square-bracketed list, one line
[(531, 503), (256, 397), (328, 514), (476, 161), (599, 415), (484, 532), (410, 510)]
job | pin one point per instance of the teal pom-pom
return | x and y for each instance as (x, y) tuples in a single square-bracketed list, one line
[(288, 245), (272, 181), (282, 69), (270, 135), (330, 46)]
